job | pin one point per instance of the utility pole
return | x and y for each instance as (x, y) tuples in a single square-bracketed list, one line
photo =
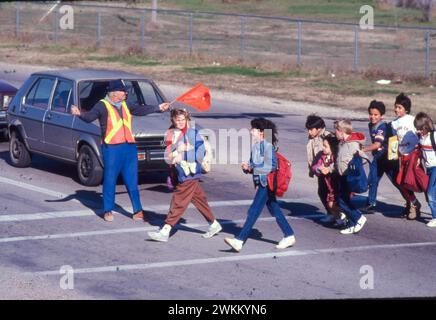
[(153, 11)]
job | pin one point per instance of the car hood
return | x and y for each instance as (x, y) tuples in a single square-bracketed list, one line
[(151, 125)]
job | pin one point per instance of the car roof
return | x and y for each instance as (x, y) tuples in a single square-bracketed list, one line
[(7, 88), (91, 74)]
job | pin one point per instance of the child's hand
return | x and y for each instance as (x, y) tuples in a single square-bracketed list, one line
[(325, 170), (245, 166)]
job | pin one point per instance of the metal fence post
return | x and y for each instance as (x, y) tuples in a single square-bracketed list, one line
[(427, 54), (242, 39), (98, 29), (299, 36), (17, 20), (56, 26), (191, 18), (356, 48), (143, 30)]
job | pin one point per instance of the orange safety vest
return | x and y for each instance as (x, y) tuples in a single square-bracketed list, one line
[(118, 130)]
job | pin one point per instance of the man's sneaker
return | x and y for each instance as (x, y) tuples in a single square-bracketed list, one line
[(286, 242), (158, 236), (414, 211), (369, 208), (360, 223), (138, 216), (213, 230), (431, 223), (108, 216), (234, 243)]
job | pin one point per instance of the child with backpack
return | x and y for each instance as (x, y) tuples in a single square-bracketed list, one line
[(350, 144), (324, 167), (185, 153), (263, 161), (379, 132), (425, 129), (316, 130), (404, 128)]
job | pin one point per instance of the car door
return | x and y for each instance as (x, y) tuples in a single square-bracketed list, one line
[(33, 110), (58, 122)]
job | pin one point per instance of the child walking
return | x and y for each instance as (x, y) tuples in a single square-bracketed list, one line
[(425, 129), (185, 153), (316, 130), (324, 167), (350, 144), (405, 130), (378, 130), (263, 160)]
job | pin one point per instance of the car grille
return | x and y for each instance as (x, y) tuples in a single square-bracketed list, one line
[(151, 148)]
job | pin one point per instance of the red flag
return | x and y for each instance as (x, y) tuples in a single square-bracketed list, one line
[(198, 97)]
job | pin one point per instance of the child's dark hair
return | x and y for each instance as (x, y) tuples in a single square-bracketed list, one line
[(423, 122), (333, 142), (378, 105), (177, 112), (263, 124), (404, 100), (314, 122)]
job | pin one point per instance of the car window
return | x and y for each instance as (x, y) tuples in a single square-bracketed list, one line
[(134, 96), (62, 98), (90, 92), (150, 95), (39, 95)]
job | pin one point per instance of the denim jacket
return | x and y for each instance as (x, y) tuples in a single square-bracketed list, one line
[(187, 163), (263, 160)]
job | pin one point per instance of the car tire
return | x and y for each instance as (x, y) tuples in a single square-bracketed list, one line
[(18, 152), (89, 170)]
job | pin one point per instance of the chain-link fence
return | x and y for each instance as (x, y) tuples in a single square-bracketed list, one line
[(273, 42)]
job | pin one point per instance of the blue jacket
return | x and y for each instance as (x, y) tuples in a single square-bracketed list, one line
[(263, 160), (194, 157)]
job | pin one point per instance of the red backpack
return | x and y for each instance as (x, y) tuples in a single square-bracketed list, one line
[(279, 179)]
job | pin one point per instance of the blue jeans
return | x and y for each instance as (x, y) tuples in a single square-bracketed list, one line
[(120, 158), (377, 168), (264, 196), (344, 202), (431, 190)]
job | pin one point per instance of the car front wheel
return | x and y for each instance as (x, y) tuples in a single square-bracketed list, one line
[(18, 152), (88, 167)]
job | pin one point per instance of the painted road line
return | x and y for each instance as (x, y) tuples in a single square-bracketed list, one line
[(235, 258), (133, 230), (152, 208)]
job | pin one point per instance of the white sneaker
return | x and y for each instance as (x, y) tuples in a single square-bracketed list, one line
[(286, 242), (360, 223), (158, 236), (234, 243), (431, 223), (214, 228), (349, 230)]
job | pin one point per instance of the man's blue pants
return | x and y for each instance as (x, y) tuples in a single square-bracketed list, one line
[(120, 158)]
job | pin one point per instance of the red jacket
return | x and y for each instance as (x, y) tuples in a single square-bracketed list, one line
[(411, 176)]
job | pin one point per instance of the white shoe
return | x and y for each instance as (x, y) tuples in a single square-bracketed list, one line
[(158, 236), (360, 223), (286, 242), (213, 230), (431, 223), (234, 243), (349, 230)]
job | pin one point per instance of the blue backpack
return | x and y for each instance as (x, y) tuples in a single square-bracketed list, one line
[(356, 178)]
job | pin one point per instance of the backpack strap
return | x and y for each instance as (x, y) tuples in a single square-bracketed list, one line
[(433, 143)]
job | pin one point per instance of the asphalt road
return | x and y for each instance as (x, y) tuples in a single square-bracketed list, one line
[(49, 221)]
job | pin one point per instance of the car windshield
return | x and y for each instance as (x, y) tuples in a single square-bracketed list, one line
[(139, 92)]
